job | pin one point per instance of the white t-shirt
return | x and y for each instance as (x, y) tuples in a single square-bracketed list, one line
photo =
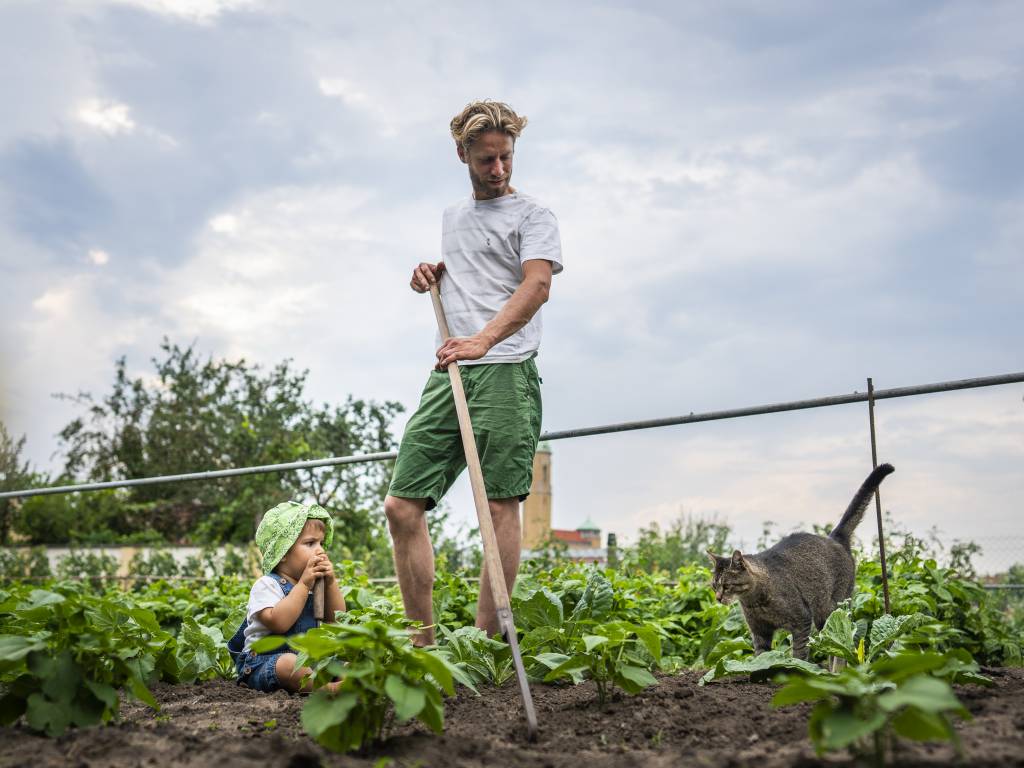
[(483, 245), (265, 593)]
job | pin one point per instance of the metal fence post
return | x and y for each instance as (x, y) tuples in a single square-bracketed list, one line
[(878, 496)]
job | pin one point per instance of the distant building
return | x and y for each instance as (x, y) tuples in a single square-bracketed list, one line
[(583, 543), (537, 507)]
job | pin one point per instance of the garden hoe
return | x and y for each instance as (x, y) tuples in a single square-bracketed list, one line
[(318, 600), (495, 572)]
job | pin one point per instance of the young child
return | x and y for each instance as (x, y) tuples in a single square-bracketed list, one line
[(291, 538)]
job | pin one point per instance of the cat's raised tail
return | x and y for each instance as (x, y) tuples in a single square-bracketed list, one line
[(852, 517)]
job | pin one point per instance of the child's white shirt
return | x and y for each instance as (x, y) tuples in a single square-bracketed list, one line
[(265, 593)]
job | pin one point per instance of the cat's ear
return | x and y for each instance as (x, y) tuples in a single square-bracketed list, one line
[(738, 561), (712, 557)]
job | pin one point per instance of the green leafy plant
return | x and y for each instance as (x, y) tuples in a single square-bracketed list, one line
[(64, 655), (381, 675), (857, 709), (889, 687), (24, 563), (481, 658), (98, 569), (583, 644), (971, 617), (154, 563), (455, 599), (612, 655)]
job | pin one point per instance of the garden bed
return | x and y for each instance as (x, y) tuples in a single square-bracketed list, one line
[(723, 724)]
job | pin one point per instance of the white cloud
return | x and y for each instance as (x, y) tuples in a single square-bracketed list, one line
[(342, 89), (197, 11), (55, 302), (69, 336), (355, 97), (314, 273), (109, 117), (224, 224), (99, 257), (115, 119)]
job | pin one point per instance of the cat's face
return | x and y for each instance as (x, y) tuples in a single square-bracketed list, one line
[(731, 576)]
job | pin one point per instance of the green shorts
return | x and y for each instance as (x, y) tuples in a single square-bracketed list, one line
[(505, 408)]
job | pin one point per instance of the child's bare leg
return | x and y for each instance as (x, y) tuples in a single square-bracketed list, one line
[(290, 677), (297, 680)]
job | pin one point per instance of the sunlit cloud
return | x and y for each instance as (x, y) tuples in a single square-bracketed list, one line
[(342, 89), (198, 11), (55, 302), (109, 117), (224, 224)]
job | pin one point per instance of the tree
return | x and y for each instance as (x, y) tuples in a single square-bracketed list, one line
[(14, 476), (198, 415), (684, 542)]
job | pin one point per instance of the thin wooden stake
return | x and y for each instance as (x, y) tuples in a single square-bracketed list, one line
[(878, 495)]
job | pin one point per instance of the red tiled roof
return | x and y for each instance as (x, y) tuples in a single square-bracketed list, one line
[(570, 537)]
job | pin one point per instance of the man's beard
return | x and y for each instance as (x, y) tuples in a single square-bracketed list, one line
[(486, 190)]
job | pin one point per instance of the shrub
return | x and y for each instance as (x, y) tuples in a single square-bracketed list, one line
[(381, 673)]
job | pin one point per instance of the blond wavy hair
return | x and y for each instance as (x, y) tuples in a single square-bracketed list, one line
[(482, 116)]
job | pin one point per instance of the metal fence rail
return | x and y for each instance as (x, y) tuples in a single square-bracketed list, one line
[(691, 418)]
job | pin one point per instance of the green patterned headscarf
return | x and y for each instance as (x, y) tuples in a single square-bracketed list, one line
[(281, 526)]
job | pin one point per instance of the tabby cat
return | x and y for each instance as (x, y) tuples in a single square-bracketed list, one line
[(796, 584)]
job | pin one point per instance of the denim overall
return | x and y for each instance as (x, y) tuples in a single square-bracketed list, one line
[(259, 670)]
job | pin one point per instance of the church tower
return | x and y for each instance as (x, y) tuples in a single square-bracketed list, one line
[(537, 507)]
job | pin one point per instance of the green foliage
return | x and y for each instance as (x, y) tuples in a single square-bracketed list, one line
[(90, 519), (577, 622), (549, 553), (612, 654), (380, 673), (858, 710), (480, 658), (964, 614), (24, 563), (455, 597), (64, 654), (236, 562), (156, 562), (683, 543), (888, 686), (574, 637), (15, 475), (211, 414), (98, 569), (66, 649), (219, 604)]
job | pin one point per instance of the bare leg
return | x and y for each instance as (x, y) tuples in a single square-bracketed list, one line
[(414, 561), (505, 514), (295, 679)]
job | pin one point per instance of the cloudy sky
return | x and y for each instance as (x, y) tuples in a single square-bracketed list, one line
[(758, 203)]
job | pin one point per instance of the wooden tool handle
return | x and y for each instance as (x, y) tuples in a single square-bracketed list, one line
[(318, 599), (495, 573)]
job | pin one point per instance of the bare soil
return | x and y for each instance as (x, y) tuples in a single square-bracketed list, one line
[(675, 723)]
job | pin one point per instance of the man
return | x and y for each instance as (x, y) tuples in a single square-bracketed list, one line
[(499, 249)]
